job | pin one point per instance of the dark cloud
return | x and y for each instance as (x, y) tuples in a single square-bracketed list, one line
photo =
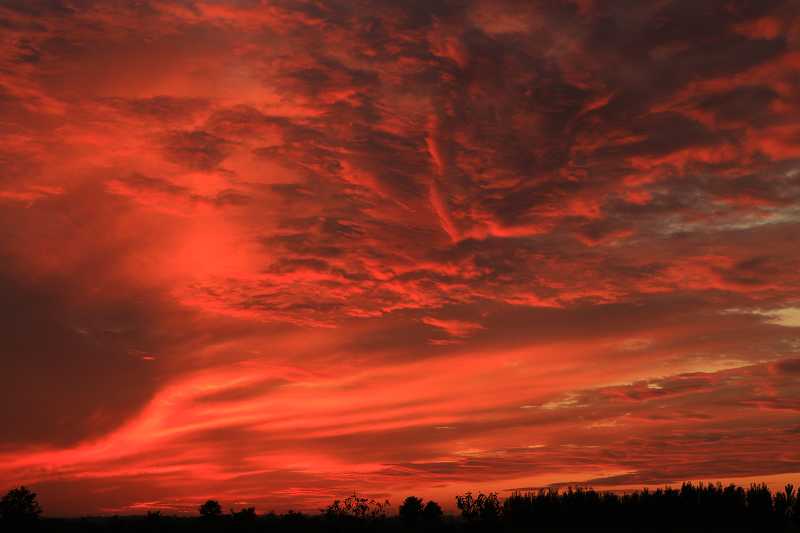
[(77, 355), (162, 108), (196, 149)]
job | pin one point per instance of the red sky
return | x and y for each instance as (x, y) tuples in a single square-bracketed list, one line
[(274, 252)]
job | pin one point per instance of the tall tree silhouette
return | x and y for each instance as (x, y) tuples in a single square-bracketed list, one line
[(784, 503), (20, 505)]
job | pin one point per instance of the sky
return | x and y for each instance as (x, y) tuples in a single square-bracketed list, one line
[(276, 252)]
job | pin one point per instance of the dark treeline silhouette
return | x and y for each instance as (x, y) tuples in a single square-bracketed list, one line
[(701, 507)]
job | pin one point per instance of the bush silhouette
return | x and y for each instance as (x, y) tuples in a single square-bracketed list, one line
[(411, 510), (247, 514), (20, 505), (210, 509)]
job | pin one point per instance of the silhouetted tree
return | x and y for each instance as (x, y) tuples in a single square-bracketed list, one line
[(411, 510), (489, 507), (784, 503), (356, 507), (484, 508), (432, 512), (247, 514), (210, 509), (796, 509), (759, 504), (466, 504), (20, 505), (155, 523)]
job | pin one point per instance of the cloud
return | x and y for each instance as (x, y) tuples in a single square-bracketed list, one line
[(789, 317), (30, 195), (196, 150), (453, 328)]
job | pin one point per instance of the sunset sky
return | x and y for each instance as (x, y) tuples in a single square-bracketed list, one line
[(274, 252)]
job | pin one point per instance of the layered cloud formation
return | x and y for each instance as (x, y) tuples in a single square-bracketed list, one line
[(272, 252)]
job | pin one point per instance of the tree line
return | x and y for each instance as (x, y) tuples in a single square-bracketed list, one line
[(694, 506)]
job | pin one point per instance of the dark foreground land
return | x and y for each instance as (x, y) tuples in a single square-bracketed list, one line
[(690, 508)]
